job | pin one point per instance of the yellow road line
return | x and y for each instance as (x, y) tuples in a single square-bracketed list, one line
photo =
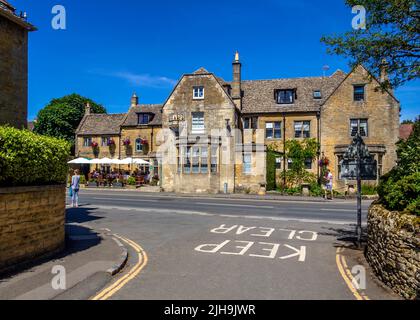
[(346, 274), (138, 267)]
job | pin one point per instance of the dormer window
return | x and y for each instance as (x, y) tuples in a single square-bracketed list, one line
[(285, 96), (198, 93), (317, 94), (143, 118)]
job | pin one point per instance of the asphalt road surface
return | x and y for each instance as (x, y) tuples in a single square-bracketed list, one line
[(211, 248)]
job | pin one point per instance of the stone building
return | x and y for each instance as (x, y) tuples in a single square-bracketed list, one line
[(13, 66), (211, 135)]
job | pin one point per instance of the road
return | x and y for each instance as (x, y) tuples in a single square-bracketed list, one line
[(219, 248)]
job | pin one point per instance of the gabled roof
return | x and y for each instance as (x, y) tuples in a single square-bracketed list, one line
[(258, 95), (131, 119), (100, 124)]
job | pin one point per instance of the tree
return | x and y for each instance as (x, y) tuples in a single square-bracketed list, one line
[(298, 152), (61, 117), (392, 33)]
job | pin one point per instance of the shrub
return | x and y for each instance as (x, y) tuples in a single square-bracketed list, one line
[(401, 194), (271, 170), (29, 159), (131, 181), (316, 190), (368, 190)]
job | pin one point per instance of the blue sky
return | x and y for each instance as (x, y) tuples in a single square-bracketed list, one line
[(112, 48)]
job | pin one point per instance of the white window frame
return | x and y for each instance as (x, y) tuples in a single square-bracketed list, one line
[(138, 143), (198, 92), (197, 123)]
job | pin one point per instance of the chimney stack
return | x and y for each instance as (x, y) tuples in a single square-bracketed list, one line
[(236, 83), (87, 109), (134, 100), (384, 71)]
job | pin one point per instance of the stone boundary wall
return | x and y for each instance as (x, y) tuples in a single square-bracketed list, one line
[(393, 250), (32, 223)]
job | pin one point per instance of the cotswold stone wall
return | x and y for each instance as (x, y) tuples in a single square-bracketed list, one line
[(31, 223), (394, 250)]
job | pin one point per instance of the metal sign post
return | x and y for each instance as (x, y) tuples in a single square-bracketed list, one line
[(358, 164)]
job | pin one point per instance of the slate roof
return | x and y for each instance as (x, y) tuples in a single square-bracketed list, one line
[(9, 12), (258, 95), (131, 119), (101, 124)]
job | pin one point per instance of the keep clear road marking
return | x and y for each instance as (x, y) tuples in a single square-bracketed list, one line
[(347, 275), (233, 205), (116, 286)]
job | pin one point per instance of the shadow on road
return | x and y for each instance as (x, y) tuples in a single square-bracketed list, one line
[(80, 215), (345, 235)]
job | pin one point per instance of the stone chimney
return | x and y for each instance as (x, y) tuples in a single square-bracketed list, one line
[(134, 100), (236, 82), (384, 71), (88, 109)]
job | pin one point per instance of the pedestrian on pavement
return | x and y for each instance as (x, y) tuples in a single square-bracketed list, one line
[(75, 186), (329, 184)]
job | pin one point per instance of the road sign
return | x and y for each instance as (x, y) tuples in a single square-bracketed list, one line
[(368, 169)]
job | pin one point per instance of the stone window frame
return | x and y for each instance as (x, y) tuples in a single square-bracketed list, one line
[(274, 130), (198, 92), (309, 163), (357, 97), (87, 141), (187, 157), (302, 132), (247, 166), (366, 135), (250, 123), (194, 129), (137, 144)]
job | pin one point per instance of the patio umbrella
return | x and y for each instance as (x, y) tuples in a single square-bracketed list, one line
[(95, 161), (79, 161), (140, 161), (126, 161), (105, 161)]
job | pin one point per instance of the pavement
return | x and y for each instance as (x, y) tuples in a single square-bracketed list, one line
[(87, 264)]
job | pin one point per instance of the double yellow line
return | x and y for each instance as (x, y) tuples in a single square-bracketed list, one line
[(347, 275), (138, 267)]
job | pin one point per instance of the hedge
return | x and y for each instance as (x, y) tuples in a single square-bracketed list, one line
[(28, 159)]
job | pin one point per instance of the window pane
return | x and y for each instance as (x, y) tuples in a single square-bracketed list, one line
[(306, 129), (214, 151), (254, 123), (198, 122), (298, 129), (363, 128), (359, 93), (308, 164), (277, 130), (246, 123), (187, 160), (247, 163), (278, 163), (354, 126), (269, 130), (204, 160)]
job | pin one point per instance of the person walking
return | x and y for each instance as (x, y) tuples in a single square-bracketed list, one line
[(329, 185), (75, 186)]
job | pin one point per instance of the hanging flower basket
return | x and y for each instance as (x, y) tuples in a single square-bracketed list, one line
[(126, 142), (94, 144), (324, 162), (144, 142), (111, 143)]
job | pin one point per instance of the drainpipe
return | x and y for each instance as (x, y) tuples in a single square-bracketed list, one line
[(318, 118), (284, 150)]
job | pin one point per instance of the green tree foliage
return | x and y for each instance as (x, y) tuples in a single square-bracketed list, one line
[(298, 152), (392, 33), (28, 159), (400, 188), (61, 117)]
